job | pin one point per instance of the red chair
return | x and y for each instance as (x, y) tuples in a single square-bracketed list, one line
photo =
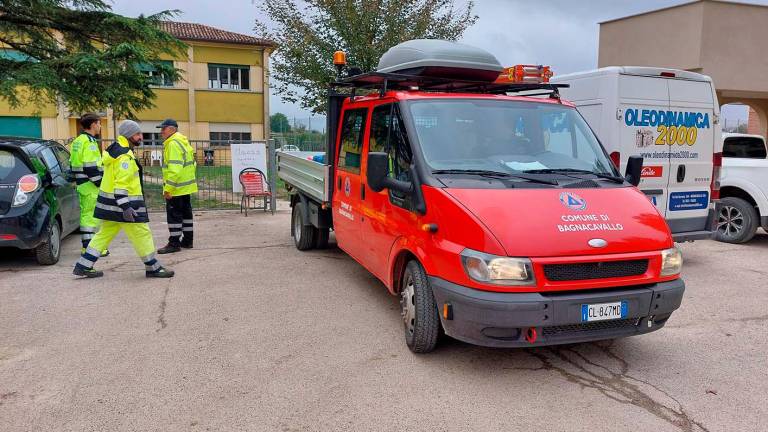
[(255, 185)]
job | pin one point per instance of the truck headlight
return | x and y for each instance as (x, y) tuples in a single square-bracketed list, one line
[(499, 270), (671, 261)]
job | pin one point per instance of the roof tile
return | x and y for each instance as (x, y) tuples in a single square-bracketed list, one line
[(202, 32)]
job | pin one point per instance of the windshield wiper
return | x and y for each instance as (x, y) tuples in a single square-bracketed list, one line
[(495, 174), (576, 171)]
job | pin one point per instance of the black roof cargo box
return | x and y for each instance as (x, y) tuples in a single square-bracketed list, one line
[(440, 59)]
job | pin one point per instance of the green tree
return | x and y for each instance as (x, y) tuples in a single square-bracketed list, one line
[(278, 122), (307, 33), (80, 53)]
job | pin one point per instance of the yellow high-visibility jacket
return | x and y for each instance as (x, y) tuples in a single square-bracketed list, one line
[(85, 162), (179, 166), (122, 185)]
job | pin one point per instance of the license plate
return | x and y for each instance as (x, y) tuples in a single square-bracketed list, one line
[(604, 311)]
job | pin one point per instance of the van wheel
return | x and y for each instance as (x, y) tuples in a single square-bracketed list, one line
[(49, 251), (419, 311), (321, 237), (303, 235), (737, 221)]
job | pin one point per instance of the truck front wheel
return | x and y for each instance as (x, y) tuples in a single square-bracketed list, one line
[(303, 235), (737, 221), (419, 310)]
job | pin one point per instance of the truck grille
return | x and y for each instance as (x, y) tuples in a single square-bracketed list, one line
[(571, 329), (595, 270)]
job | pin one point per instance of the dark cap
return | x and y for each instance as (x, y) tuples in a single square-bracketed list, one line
[(168, 122)]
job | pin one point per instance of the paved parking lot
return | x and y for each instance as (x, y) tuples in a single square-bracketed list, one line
[(253, 335)]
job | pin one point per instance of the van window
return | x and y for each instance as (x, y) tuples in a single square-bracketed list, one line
[(511, 136), (388, 136), (352, 129), (744, 147)]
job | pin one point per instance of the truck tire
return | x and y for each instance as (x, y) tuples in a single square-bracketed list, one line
[(303, 235), (737, 221), (419, 310), (321, 237), (49, 251)]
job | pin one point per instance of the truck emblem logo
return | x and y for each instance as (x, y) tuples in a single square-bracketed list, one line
[(597, 243), (573, 201), (347, 186)]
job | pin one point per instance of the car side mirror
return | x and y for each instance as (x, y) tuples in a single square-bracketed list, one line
[(634, 170), (378, 178)]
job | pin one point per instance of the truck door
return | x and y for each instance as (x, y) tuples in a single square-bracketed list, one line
[(691, 143), (642, 100), (346, 198), (386, 213)]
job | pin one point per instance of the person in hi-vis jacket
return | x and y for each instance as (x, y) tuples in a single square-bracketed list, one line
[(120, 205), (179, 183)]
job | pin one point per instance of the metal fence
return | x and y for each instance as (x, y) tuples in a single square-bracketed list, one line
[(214, 174)]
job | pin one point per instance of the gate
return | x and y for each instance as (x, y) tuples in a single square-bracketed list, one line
[(214, 174)]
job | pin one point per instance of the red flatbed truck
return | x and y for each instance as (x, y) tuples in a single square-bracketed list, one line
[(495, 216)]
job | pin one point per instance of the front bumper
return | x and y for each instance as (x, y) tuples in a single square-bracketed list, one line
[(503, 319)]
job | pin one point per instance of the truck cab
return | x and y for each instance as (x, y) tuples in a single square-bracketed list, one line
[(497, 218)]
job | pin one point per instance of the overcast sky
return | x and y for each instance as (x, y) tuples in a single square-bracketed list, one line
[(560, 33)]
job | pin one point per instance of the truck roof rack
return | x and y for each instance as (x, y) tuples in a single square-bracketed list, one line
[(393, 81)]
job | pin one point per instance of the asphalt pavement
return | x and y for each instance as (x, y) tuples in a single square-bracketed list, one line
[(253, 335)]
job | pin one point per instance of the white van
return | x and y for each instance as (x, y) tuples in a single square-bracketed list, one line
[(670, 118)]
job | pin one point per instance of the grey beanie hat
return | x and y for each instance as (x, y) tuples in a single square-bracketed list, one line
[(128, 128)]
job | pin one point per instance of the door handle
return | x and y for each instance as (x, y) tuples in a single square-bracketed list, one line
[(362, 191), (338, 187), (681, 173)]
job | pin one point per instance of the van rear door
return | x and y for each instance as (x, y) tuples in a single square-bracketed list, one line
[(691, 140), (642, 98)]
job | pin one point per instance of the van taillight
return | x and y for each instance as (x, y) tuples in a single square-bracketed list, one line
[(717, 165), (668, 74), (616, 158)]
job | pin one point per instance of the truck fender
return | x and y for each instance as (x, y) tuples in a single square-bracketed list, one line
[(304, 205), (757, 195), (402, 251)]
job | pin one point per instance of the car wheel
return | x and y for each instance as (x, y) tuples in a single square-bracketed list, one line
[(49, 251), (303, 235), (736, 221), (419, 310)]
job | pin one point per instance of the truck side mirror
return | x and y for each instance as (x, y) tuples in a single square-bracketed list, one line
[(634, 170), (378, 178)]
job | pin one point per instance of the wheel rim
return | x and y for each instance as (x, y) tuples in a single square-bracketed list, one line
[(407, 305), (730, 222), (55, 240), (297, 226)]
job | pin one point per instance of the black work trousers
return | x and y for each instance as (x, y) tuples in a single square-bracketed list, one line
[(179, 212)]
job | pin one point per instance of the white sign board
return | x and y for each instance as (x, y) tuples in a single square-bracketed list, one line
[(252, 155)]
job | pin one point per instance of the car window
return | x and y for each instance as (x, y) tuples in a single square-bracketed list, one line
[(51, 161), (352, 129), (744, 147), (63, 156), (11, 167), (388, 135)]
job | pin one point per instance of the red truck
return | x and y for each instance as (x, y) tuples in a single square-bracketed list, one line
[(485, 202)]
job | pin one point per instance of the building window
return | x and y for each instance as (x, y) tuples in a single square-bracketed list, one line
[(157, 78), (152, 139), (226, 138), (228, 77)]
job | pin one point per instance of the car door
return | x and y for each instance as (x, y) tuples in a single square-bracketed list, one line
[(346, 199), (66, 195), (642, 99), (691, 143), (62, 154)]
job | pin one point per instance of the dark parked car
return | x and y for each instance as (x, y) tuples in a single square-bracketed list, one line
[(38, 199)]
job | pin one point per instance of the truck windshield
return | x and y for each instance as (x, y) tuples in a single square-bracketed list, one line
[(506, 136)]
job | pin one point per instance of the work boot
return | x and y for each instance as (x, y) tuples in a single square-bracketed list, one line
[(162, 272), (169, 248), (187, 245), (88, 273)]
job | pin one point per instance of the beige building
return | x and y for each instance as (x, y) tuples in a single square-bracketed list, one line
[(722, 39)]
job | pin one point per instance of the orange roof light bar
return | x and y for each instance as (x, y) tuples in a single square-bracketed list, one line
[(339, 58), (525, 74)]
